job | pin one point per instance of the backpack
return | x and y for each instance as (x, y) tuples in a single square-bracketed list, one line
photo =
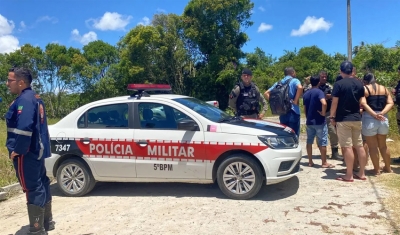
[(279, 100)]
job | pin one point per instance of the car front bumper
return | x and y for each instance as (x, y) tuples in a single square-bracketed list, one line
[(280, 165)]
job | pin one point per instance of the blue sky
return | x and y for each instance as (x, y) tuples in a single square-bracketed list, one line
[(287, 24)]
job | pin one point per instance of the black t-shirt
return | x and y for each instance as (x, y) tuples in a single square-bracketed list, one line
[(349, 91)]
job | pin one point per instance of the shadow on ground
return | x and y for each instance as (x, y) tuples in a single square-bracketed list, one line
[(180, 190), (22, 231)]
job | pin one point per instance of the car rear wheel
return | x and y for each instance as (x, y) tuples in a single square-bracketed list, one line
[(74, 178), (239, 177)]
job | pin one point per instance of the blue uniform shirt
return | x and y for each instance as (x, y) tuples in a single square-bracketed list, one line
[(292, 91), (27, 129)]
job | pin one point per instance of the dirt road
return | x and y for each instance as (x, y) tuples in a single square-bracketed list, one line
[(312, 203)]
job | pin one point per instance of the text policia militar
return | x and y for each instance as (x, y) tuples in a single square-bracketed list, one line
[(152, 150)]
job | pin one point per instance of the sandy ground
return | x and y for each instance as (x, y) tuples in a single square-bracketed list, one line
[(311, 203)]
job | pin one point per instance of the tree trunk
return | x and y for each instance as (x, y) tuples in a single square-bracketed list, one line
[(349, 44)]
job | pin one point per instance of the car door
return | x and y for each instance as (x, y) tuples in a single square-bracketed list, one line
[(105, 138), (163, 150)]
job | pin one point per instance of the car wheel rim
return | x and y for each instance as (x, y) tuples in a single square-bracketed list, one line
[(72, 178), (239, 178)]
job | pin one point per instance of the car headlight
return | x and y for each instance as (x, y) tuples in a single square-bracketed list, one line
[(279, 142)]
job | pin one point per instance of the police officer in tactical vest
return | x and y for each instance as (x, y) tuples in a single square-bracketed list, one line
[(245, 98), (28, 144), (327, 88)]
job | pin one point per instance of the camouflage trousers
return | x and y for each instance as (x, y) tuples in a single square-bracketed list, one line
[(333, 138)]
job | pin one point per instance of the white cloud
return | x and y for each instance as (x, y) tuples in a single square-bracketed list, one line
[(311, 25), (264, 27), (6, 26), (84, 39), (261, 8), (145, 21), (111, 21), (8, 42), (22, 26), (53, 20)]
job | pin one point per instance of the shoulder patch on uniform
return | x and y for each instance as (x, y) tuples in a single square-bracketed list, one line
[(37, 96), (41, 112), (20, 107)]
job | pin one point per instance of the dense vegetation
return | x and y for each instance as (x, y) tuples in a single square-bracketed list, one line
[(199, 53)]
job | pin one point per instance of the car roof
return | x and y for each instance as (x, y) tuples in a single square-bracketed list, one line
[(151, 97)]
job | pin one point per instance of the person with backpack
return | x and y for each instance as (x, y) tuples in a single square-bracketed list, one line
[(245, 98), (284, 96)]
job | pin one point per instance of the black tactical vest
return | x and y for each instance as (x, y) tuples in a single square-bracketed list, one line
[(397, 94), (248, 100)]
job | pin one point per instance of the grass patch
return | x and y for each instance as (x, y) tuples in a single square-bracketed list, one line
[(7, 173)]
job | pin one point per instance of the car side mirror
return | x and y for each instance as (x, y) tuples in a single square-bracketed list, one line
[(188, 125)]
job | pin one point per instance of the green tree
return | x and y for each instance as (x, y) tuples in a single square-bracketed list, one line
[(216, 29)]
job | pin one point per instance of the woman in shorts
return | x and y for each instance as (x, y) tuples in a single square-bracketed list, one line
[(375, 123)]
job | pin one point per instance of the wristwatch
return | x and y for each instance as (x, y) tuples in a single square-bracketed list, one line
[(331, 117)]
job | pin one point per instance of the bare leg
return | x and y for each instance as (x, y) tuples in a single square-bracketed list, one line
[(309, 154), (366, 150), (348, 155), (362, 160), (322, 149), (372, 142), (355, 163), (384, 152)]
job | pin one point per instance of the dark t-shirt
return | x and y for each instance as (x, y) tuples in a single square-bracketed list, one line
[(349, 91), (312, 101), (327, 90)]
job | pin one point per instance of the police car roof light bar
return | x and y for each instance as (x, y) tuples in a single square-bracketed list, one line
[(149, 87), (142, 88)]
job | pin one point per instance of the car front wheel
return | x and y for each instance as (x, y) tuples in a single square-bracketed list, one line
[(74, 178), (239, 177)]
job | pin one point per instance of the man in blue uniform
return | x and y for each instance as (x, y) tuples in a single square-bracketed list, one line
[(28, 144)]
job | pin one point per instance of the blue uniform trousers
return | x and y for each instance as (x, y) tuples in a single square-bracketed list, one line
[(31, 174)]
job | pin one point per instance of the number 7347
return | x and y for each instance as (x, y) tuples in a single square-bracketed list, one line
[(62, 147)]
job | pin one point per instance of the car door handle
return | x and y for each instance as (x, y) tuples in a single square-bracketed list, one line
[(85, 140), (141, 142)]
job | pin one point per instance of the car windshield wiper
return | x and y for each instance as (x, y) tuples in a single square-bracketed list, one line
[(229, 119)]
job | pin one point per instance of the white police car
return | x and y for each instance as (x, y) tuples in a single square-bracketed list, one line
[(168, 138)]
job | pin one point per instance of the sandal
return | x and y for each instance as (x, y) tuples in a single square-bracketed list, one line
[(329, 166), (355, 176), (343, 179)]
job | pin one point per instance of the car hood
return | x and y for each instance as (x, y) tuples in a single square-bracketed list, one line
[(256, 127)]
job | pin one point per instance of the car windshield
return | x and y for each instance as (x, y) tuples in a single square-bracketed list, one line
[(204, 109)]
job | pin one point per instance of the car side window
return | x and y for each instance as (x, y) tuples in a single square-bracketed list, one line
[(106, 116), (159, 116)]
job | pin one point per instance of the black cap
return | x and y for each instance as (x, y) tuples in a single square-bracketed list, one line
[(346, 67), (247, 71)]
